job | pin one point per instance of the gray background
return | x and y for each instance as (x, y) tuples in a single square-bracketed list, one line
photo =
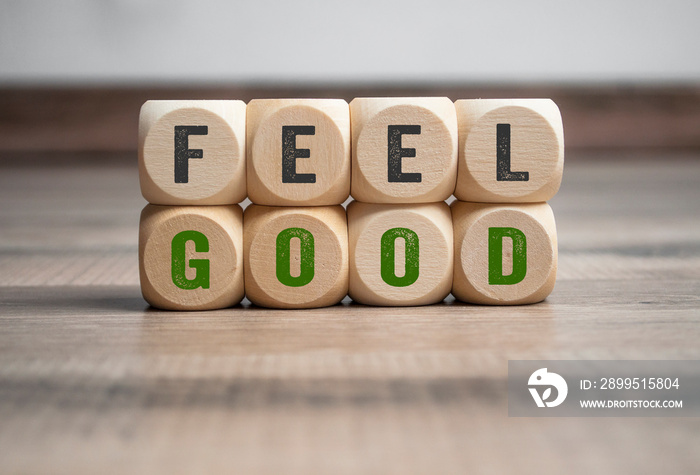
[(510, 41)]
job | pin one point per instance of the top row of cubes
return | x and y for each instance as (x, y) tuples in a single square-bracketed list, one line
[(315, 152)]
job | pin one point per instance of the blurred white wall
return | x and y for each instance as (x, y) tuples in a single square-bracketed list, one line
[(131, 41)]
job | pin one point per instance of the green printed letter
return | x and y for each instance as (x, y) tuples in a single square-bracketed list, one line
[(201, 244), (388, 256), (306, 256), (496, 276)]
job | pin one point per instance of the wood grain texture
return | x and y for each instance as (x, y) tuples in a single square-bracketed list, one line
[(191, 257), (213, 135), (504, 254), (400, 254), (404, 149), (510, 150), (298, 152), (93, 119), (295, 257), (92, 380)]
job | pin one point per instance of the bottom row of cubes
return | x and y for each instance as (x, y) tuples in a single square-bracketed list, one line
[(209, 257)]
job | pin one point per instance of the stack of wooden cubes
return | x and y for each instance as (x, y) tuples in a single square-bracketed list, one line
[(299, 160)]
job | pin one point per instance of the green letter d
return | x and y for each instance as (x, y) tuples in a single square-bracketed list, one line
[(201, 244), (496, 236)]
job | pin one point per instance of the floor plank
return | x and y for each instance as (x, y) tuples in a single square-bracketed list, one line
[(92, 380)]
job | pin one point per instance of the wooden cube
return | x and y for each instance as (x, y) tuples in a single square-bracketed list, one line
[(404, 149), (295, 257), (298, 152), (504, 254), (192, 152), (400, 254), (191, 257), (510, 150)]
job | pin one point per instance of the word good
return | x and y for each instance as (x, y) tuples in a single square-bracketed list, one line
[(299, 160)]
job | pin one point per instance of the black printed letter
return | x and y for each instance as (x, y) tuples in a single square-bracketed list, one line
[(503, 172), (182, 151), (396, 153), (290, 153)]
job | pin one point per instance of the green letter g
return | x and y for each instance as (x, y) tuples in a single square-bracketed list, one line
[(201, 244)]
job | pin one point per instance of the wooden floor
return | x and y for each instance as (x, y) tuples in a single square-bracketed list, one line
[(93, 381)]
